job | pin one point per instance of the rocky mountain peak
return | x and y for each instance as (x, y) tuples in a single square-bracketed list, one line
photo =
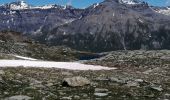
[(21, 4), (129, 1), (162, 10), (125, 1)]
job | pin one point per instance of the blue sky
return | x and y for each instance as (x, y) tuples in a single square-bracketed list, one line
[(82, 3)]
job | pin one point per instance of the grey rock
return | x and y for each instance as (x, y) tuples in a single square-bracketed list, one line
[(101, 94), (49, 84), (67, 73), (117, 80), (132, 84), (167, 95), (76, 97), (75, 81), (19, 97), (1, 79), (139, 80), (100, 90), (84, 95), (36, 83), (102, 79), (2, 72), (66, 98), (157, 88)]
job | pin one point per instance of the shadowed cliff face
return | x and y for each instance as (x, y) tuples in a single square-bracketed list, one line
[(109, 25)]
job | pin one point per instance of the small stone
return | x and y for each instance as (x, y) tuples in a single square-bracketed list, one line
[(75, 81), (84, 95), (132, 84), (76, 97), (101, 94), (113, 79), (61, 93), (1, 79), (34, 81), (66, 98), (19, 97), (2, 72), (94, 84), (158, 88), (67, 74), (102, 79), (50, 84), (6, 93), (99, 90), (147, 71), (139, 80), (168, 95), (19, 76)]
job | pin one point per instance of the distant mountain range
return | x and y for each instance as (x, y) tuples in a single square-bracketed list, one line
[(109, 25)]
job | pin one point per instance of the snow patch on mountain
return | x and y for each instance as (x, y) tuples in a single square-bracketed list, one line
[(44, 7), (131, 2), (21, 5), (18, 5), (165, 11), (95, 5)]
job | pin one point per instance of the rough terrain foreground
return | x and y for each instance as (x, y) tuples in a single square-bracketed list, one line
[(140, 75)]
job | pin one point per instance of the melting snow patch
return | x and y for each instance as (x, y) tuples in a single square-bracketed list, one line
[(140, 20), (49, 64), (96, 5), (24, 58), (113, 14)]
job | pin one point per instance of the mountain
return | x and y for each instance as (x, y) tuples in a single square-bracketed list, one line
[(109, 25), (35, 20), (115, 26)]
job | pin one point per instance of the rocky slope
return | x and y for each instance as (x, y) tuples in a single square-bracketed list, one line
[(13, 43)]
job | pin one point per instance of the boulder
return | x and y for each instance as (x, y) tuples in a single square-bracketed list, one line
[(75, 81)]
